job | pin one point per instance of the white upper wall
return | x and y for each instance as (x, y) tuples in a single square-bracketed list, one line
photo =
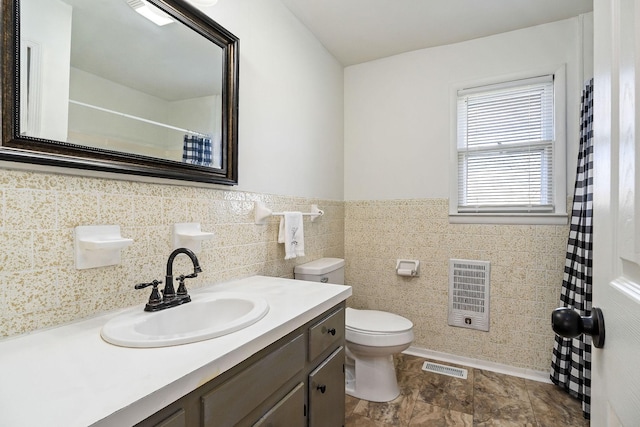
[(398, 109), (291, 103)]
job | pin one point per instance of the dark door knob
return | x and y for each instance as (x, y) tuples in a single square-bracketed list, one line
[(568, 323)]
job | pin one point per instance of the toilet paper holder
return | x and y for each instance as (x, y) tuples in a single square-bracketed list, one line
[(408, 267)]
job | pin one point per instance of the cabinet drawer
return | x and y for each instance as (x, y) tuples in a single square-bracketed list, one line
[(326, 333), (177, 419), (289, 412), (229, 403), (326, 392)]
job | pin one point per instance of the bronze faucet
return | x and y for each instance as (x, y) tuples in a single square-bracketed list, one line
[(171, 298)]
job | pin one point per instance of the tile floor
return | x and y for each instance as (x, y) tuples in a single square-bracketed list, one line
[(485, 398)]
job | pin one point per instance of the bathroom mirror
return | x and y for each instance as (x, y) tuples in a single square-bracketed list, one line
[(141, 87)]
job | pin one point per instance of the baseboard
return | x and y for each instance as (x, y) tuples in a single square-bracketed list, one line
[(529, 374)]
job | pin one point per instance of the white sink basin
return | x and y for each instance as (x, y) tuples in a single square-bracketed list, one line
[(207, 316)]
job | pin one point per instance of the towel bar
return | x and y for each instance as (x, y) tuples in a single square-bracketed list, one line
[(262, 213)]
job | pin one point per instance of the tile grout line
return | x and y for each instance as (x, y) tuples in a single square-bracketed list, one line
[(535, 417)]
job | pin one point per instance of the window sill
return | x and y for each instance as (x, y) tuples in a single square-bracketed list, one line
[(528, 219)]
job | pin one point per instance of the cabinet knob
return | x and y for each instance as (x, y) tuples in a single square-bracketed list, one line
[(331, 331), (322, 388)]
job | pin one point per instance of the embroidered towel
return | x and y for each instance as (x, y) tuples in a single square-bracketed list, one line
[(292, 234)]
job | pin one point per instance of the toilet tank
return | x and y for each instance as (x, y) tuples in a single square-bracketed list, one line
[(325, 270)]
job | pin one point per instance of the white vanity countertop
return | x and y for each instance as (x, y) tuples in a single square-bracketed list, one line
[(68, 376)]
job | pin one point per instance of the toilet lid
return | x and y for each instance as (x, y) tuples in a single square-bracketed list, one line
[(376, 321)]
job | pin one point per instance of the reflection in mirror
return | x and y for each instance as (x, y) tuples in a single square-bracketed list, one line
[(95, 85), (97, 73)]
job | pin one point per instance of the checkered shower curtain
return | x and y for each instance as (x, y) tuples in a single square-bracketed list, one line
[(197, 150), (571, 360)]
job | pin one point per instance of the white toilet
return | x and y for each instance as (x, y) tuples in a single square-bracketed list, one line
[(372, 338)]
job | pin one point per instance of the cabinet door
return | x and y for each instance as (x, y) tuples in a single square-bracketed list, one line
[(289, 412), (326, 392), (229, 403)]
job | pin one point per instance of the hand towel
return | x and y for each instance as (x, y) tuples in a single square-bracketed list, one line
[(291, 234)]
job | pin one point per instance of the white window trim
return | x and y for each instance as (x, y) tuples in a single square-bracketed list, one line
[(559, 216)]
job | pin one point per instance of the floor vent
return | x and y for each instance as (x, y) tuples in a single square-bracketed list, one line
[(445, 370), (469, 294)]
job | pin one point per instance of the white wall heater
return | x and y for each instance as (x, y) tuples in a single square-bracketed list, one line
[(469, 294)]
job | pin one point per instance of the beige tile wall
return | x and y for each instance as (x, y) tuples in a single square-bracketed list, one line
[(526, 276), (40, 287)]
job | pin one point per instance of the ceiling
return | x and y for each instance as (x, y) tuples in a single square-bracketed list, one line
[(353, 31), (356, 31)]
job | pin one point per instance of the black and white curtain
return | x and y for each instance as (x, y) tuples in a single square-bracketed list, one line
[(197, 150), (571, 360)]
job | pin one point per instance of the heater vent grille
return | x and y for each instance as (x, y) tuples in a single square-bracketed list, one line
[(445, 370), (469, 294)]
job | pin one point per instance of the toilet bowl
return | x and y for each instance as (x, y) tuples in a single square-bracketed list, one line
[(372, 338)]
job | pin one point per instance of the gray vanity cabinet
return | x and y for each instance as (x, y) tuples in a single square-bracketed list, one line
[(298, 381), (326, 375)]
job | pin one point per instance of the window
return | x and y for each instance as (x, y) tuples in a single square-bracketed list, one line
[(510, 161)]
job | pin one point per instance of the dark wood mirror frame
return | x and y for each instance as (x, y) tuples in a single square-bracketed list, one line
[(24, 149)]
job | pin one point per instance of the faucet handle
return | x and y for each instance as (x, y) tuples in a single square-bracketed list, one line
[(154, 298), (182, 289), (155, 284)]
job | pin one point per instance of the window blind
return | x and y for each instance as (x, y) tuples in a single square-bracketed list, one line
[(505, 147)]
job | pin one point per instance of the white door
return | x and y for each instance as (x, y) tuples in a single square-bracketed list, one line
[(615, 386)]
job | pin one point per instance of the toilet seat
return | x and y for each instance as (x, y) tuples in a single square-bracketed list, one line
[(374, 321), (375, 328)]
